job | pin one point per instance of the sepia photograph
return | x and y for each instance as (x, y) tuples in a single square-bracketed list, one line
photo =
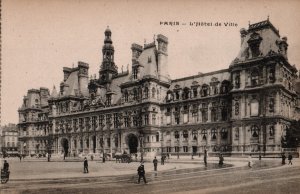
[(160, 96)]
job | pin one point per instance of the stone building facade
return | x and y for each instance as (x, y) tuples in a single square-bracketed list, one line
[(245, 108)]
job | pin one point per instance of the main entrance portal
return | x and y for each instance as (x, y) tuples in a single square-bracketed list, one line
[(65, 145), (132, 143)]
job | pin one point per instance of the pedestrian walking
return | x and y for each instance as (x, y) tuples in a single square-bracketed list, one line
[(259, 157), (205, 157), (103, 158), (92, 157), (85, 166), (20, 156), (221, 160), (283, 157), (250, 161), (155, 164), (162, 160), (141, 173), (5, 166), (290, 158)]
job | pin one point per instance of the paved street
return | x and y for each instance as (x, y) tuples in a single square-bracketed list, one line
[(181, 176)]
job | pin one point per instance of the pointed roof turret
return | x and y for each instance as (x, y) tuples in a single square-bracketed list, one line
[(54, 93)]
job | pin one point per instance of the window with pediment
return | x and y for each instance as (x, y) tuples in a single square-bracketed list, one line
[(204, 90), (176, 135), (195, 135), (153, 92), (254, 77), (185, 134), (224, 133), (254, 131), (185, 94), (213, 134), (204, 134)]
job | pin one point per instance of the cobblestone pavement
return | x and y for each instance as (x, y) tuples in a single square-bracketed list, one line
[(266, 176)]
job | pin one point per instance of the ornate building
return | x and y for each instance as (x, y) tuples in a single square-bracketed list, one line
[(243, 109)]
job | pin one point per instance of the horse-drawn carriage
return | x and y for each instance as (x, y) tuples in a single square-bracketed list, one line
[(123, 158), (4, 176)]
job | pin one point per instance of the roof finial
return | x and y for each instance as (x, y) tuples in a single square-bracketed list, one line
[(249, 23), (268, 17), (145, 41), (73, 65), (154, 38)]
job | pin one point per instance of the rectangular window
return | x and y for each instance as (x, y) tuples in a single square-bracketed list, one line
[(185, 118), (185, 149), (146, 119), (168, 120), (153, 119), (176, 149)]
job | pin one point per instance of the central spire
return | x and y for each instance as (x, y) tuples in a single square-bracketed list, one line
[(108, 68)]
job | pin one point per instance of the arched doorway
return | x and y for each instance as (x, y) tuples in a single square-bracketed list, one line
[(132, 143), (65, 145)]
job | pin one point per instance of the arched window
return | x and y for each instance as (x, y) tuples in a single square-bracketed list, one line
[(176, 135), (254, 131), (146, 92), (254, 77), (177, 95), (213, 134), (157, 137), (135, 73)]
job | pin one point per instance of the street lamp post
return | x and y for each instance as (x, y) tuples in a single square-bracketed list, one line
[(141, 145)]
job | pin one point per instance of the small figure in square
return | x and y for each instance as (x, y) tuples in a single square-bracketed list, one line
[(221, 160), (155, 164), (290, 158), (250, 161), (283, 157), (85, 166), (141, 173)]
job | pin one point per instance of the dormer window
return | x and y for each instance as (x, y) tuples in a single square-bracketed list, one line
[(254, 78), (108, 99), (254, 42), (204, 90)]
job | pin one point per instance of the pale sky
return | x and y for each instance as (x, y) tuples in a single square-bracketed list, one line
[(39, 38)]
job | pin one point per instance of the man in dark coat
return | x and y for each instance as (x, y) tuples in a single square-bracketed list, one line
[(141, 173), (221, 160), (205, 157), (85, 166), (290, 157), (283, 157), (162, 160), (5, 166), (155, 164)]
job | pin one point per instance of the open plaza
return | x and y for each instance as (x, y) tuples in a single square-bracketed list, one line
[(37, 175)]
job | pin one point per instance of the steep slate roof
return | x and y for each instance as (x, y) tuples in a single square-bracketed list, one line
[(72, 81), (115, 87), (201, 79), (148, 61)]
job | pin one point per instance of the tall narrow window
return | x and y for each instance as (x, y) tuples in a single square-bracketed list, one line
[(254, 131), (254, 78), (213, 134)]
